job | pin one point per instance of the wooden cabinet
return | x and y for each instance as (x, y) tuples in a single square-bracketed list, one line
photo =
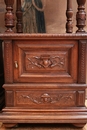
[(45, 79), (45, 74)]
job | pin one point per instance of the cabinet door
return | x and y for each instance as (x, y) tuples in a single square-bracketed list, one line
[(45, 61)]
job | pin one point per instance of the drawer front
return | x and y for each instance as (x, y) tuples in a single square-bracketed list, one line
[(44, 95), (45, 61), (45, 99)]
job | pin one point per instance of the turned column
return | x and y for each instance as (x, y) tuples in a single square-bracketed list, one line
[(19, 25), (81, 16), (9, 16), (69, 14)]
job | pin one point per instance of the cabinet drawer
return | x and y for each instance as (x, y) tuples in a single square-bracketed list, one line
[(44, 95), (45, 61), (45, 98)]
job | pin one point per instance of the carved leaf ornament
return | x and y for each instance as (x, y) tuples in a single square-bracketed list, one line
[(46, 98), (46, 61)]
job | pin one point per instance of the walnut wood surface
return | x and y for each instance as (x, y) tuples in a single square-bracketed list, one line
[(45, 74), (2, 102)]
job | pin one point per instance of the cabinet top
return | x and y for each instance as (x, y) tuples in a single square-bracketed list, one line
[(74, 36)]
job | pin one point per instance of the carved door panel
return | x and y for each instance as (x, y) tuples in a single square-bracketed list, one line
[(45, 61)]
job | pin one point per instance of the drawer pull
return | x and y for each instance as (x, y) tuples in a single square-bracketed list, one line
[(16, 64)]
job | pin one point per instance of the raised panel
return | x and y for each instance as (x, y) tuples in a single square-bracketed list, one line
[(80, 98), (37, 61), (45, 98), (9, 98)]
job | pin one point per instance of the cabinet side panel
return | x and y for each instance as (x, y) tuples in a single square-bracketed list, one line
[(82, 62), (9, 98), (81, 98), (8, 61)]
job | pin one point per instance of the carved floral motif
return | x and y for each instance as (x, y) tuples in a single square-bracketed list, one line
[(47, 98), (46, 61)]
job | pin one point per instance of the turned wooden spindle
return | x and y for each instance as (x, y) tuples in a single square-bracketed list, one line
[(69, 14), (9, 16), (81, 16), (19, 25)]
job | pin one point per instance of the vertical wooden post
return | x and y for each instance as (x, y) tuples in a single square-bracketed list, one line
[(81, 16), (69, 14), (8, 61), (82, 62), (9, 16), (19, 25), (2, 96)]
